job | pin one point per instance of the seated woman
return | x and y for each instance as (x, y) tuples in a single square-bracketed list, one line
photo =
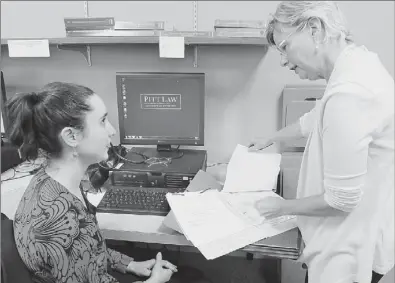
[(55, 227)]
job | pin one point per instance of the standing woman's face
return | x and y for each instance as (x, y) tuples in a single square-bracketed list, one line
[(298, 50)]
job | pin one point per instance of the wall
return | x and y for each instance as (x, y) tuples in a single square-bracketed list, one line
[(243, 83)]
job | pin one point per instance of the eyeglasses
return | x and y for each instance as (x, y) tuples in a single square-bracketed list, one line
[(282, 45)]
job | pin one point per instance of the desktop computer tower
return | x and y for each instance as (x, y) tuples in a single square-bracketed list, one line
[(174, 174)]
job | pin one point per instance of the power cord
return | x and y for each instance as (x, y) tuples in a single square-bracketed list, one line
[(153, 160), (146, 159)]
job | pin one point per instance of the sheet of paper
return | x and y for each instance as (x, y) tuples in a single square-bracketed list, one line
[(28, 48), (214, 228), (246, 237), (204, 217), (243, 205), (202, 181), (171, 47), (171, 222), (252, 171)]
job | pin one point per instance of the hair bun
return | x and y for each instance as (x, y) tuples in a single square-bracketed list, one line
[(34, 98)]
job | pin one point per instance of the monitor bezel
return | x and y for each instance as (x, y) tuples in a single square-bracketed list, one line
[(153, 75)]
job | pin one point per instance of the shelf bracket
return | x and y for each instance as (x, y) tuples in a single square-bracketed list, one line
[(195, 28), (195, 56), (84, 49), (86, 9)]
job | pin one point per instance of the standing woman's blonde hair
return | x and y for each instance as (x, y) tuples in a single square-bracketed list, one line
[(298, 14)]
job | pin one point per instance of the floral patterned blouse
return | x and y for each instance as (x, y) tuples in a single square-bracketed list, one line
[(58, 238)]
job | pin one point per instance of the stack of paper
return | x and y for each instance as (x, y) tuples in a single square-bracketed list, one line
[(202, 181), (286, 245), (218, 223)]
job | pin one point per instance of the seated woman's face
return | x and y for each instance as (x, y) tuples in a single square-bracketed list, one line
[(97, 133)]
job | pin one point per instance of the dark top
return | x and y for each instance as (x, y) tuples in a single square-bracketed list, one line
[(58, 238)]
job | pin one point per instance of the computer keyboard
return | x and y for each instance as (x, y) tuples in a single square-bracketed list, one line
[(136, 200)]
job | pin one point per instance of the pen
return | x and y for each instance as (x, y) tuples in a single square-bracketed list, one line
[(205, 190), (266, 146)]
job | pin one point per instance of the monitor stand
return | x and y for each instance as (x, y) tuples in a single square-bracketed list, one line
[(165, 151)]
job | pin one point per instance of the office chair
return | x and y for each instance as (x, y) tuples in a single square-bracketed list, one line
[(12, 267)]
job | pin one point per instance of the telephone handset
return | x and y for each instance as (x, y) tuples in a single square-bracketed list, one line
[(99, 172)]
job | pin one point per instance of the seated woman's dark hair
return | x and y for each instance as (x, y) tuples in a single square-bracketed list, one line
[(37, 118)]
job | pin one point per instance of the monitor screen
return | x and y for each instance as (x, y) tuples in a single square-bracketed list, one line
[(161, 108)]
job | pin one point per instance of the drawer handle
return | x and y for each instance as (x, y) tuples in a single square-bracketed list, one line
[(310, 99)]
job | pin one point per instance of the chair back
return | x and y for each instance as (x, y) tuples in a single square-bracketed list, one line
[(12, 267)]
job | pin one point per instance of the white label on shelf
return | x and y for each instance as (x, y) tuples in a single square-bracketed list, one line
[(28, 48), (171, 47)]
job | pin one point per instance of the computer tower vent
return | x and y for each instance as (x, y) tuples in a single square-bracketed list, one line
[(137, 183), (174, 181)]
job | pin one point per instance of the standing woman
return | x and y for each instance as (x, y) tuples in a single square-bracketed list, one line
[(345, 193)]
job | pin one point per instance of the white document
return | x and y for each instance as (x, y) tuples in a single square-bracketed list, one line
[(171, 47), (243, 205), (202, 216), (202, 181), (243, 238), (28, 48), (171, 222), (251, 171), (215, 223)]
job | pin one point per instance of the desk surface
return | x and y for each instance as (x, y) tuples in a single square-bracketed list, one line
[(146, 228)]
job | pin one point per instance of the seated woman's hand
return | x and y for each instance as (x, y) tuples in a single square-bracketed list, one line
[(141, 268), (162, 270)]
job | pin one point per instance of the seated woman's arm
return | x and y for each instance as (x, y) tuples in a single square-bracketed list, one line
[(118, 261), (64, 244)]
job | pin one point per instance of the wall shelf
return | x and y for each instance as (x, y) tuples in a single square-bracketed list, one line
[(104, 40), (83, 44)]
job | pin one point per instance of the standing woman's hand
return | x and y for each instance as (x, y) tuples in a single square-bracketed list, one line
[(271, 207)]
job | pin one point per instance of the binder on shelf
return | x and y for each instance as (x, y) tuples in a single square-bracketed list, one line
[(239, 24), (150, 25), (78, 24)]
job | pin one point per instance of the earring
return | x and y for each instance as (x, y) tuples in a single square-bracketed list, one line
[(75, 153)]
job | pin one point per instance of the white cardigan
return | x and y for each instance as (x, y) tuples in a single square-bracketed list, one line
[(349, 157)]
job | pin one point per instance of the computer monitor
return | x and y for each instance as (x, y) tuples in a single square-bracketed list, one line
[(161, 109)]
